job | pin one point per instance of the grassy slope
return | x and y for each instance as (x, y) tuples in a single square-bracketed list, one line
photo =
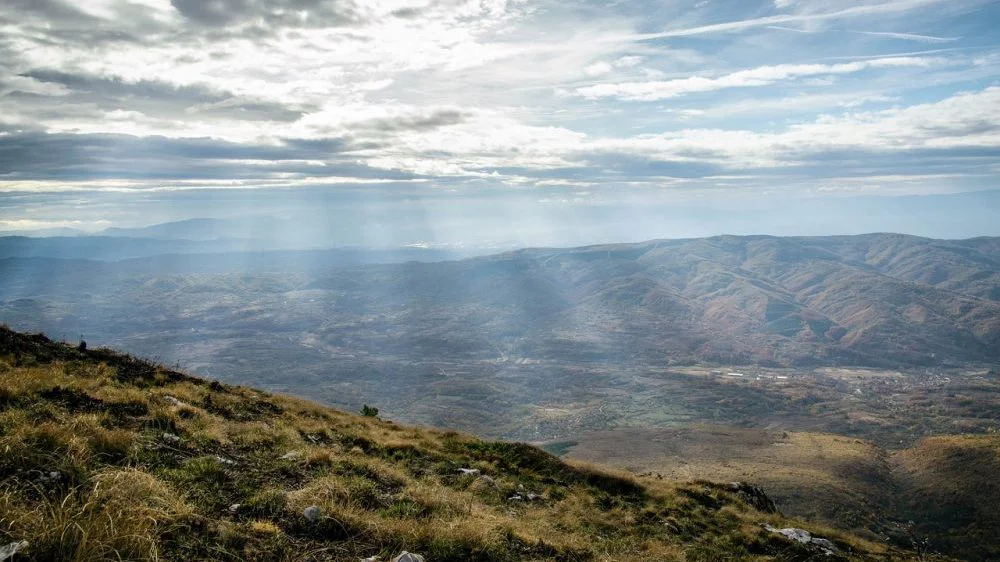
[(108, 457), (952, 491), (821, 477), (943, 490)]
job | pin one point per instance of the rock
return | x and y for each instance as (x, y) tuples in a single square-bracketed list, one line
[(469, 471), (172, 401), (515, 498), (534, 497), (804, 537), (171, 438), (224, 460), (235, 507), (371, 559), (824, 543), (754, 496), (8, 551), (291, 456), (483, 484), (312, 513), (51, 476), (408, 557)]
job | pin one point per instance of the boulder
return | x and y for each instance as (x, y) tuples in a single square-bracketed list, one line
[(408, 557), (805, 537)]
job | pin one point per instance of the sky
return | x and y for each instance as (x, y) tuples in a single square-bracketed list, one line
[(502, 121)]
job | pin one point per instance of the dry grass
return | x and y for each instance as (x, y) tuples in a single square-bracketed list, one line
[(108, 459)]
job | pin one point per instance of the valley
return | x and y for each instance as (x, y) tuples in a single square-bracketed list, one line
[(825, 369)]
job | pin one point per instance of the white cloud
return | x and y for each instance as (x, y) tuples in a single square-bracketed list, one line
[(910, 36), (966, 120), (760, 76), (474, 88), (852, 10), (597, 69)]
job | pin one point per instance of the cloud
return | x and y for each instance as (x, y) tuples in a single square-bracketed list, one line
[(966, 125), (852, 11), (409, 120), (158, 98), (477, 92), (909, 36), (269, 13), (755, 77), (45, 156)]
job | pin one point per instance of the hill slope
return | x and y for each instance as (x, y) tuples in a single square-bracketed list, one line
[(109, 457), (941, 493)]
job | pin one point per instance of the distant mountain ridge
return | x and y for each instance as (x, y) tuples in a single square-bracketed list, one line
[(877, 299)]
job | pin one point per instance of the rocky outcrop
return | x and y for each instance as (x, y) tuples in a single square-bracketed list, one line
[(755, 496), (804, 537)]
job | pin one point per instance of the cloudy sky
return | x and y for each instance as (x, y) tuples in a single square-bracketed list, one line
[(503, 112)]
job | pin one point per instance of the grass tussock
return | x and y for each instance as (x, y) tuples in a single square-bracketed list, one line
[(105, 457)]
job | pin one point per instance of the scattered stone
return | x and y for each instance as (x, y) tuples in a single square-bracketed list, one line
[(534, 497), (312, 513), (8, 551), (53, 476), (171, 438), (172, 401), (515, 498), (804, 537), (235, 507), (469, 471), (371, 559), (755, 496), (291, 456), (408, 557)]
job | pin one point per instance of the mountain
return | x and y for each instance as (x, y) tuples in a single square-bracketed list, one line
[(224, 254), (111, 457), (863, 300), (202, 229), (506, 341)]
